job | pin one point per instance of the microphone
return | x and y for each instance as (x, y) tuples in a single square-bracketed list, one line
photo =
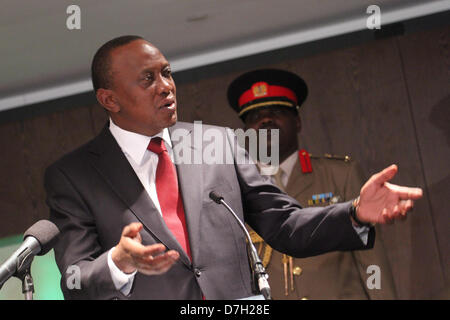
[(259, 272), (38, 240)]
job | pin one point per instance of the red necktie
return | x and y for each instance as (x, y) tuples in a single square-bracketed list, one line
[(169, 196)]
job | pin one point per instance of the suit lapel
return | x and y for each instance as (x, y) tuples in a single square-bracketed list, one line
[(190, 180), (111, 163), (298, 181)]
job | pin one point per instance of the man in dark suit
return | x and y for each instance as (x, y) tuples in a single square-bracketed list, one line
[(132, 235)]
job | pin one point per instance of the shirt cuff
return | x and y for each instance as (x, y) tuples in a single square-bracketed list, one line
[(122, 281), (363, 233)]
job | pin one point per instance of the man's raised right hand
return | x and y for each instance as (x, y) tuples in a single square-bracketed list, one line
[(131, 255)]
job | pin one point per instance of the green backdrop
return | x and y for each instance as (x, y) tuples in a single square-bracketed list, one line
[(45, 273)]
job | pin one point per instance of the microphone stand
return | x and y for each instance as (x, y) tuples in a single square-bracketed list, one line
[(27, 283), (259, 273), (37, 240)]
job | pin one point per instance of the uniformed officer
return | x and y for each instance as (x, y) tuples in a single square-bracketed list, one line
[(270, 99)]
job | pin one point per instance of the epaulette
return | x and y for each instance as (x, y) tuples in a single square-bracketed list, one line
[(337, 157), (305, 162)]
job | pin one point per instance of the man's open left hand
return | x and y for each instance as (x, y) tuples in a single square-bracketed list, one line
[(383, 202)]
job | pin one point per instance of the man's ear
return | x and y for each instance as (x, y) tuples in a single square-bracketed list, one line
[(107, 99)]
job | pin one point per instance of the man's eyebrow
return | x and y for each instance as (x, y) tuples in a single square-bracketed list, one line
[(146, 70), (150, 70)]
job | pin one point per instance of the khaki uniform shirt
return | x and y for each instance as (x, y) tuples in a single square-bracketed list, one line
[(335, 275)]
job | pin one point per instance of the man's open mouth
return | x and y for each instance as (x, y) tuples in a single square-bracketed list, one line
[(169, 104)]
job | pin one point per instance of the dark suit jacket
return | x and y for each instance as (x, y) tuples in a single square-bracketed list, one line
[(93, 193)]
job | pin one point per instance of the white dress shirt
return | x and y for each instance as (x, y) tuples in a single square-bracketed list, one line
[(144, 163)]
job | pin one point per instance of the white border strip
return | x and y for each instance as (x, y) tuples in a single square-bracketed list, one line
[(239, 51)]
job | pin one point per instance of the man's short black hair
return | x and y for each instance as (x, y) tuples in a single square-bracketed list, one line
[(101, 64)]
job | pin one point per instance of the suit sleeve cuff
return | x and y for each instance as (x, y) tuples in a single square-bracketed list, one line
[(122, 281), (363, 233)]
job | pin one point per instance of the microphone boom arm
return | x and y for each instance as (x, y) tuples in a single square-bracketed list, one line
[(257, 266)]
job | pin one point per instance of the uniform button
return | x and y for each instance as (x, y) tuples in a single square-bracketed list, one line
[(197, 272), (297, 271)]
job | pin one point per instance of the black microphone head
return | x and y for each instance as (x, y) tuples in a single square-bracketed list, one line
[(215, 197), (45, 232)]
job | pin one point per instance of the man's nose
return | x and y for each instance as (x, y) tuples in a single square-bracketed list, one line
[(266, 119), (164, 85)]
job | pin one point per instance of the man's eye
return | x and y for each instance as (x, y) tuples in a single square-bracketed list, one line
[(167, 72), (253, 117)]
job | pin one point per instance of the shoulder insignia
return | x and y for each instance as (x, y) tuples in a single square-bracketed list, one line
[(337, 157)]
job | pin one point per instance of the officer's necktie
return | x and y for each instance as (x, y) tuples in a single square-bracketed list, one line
[(169, 195)]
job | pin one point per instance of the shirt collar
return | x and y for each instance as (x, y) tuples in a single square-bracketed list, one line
[(135, 144), (288, 164)]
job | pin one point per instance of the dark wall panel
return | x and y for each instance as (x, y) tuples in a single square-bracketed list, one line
[(359, 106), (426, 61)]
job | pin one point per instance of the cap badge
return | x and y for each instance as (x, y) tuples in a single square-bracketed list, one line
[(260, 89)]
